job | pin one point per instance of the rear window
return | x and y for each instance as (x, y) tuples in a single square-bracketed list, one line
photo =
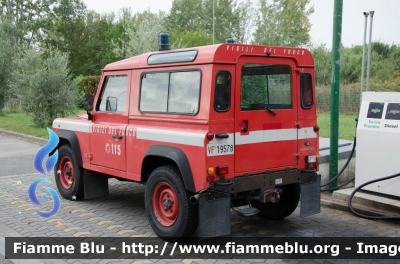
[(266, 85), (307, 100), (222, 97), (175, 92)]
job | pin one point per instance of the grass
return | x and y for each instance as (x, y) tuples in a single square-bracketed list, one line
[(21, 123), (347, 125)]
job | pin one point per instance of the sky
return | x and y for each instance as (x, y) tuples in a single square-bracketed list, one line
[(385, 28)]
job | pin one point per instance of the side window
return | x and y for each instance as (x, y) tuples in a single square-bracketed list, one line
[(307, 99), (184, 92), (113, 95), (170, 92), (154, 92), (266, 86), (222, 97)]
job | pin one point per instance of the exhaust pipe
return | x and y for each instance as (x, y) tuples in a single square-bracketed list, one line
[(194, 199)]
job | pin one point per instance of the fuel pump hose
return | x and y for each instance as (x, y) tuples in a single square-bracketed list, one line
[(341, 171), (367, 183)]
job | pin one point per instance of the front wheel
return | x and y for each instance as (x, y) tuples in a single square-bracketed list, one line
[(68, 174), (285, 207), (169, 209)]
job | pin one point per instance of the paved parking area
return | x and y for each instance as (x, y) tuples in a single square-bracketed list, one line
[(122, 214), (16, 156)]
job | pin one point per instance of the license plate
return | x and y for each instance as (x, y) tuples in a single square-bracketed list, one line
[(220, 149)]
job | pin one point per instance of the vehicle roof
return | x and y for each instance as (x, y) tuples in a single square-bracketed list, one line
[(220, 53)]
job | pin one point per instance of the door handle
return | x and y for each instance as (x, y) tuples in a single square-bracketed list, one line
[(244, 126), (117, 137), (221, 135)]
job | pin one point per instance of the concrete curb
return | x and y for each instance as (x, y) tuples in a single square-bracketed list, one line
[(32, 139), (364, 207), (368, 200), (345, 208)]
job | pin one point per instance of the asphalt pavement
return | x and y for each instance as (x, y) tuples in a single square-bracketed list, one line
[(16, 156)]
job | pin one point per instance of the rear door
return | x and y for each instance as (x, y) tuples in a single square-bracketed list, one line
[(265, 114)]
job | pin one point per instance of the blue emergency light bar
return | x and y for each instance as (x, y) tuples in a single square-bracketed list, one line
[(163, 41), (229, 40)]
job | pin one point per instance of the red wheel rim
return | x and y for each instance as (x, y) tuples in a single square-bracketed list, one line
[(165, 204), (66, 172)]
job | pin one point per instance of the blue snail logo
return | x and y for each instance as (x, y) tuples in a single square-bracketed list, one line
[(50, 162), (34, 199)]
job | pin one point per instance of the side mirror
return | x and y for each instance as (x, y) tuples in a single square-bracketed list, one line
[(111, 104), (88, 102)]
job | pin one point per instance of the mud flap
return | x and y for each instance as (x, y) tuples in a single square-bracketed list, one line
[(311, 195), (94, 185), (214, 214)]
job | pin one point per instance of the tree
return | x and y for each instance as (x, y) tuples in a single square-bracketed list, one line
[(323, 67), (187, 39), (197, 15), (118, 34), (385, 61), (186, 15), (66, 32), (245, 13), (143, 34), (96, 46), (89, 38), (28, 16), (283, 23), (43, 85), (226, 19), (8, 47)]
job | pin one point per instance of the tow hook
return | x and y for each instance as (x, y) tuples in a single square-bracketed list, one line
[(272, 196)]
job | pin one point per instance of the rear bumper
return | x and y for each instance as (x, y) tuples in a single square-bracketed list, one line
[(215, 203), (266, 180)]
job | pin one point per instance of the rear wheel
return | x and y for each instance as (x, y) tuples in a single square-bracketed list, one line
[(68, 174), (169, 209), (289, 200)]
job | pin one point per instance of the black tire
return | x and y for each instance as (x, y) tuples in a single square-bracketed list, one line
[(285, 207), (67, 168), (163, 181)]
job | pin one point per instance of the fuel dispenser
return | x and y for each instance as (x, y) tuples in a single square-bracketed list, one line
[(378, 142)]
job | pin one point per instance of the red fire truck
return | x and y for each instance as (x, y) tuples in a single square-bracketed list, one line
[(210, 131)]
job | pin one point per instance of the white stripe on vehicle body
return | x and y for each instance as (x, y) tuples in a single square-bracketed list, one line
[(264, 136), (71, 125), (307, 132), (197, 139), (170, 136)]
